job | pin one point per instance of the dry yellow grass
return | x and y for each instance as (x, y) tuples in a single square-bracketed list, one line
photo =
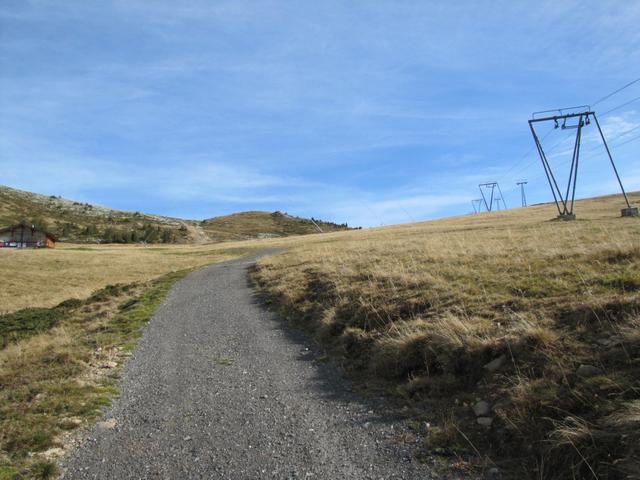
[(46, 277), (419, 309)]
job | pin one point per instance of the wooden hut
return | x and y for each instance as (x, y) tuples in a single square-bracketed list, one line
[(25, 236)]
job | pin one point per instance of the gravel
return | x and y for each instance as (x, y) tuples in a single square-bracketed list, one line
[(220, 388)]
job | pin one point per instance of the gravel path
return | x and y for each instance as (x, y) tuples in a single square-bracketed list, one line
[(219, 388)]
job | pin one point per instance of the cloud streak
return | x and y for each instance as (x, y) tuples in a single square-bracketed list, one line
[(202, 107)]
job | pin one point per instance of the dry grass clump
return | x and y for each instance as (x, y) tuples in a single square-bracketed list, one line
[(423, 310)]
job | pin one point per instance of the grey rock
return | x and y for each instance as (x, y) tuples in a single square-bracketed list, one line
[(108, 424), (482, 408), (611, 341), (485, 421), (493, 474), (586, 371), (496, 363)]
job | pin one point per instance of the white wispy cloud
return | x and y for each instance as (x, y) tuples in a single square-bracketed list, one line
[(307, 107)]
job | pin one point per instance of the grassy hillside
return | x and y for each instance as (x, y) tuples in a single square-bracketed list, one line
[(84, 223), (504, 337), (247, 225), (81, 222)]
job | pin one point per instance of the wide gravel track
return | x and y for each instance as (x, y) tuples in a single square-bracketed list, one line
[(218, 387)]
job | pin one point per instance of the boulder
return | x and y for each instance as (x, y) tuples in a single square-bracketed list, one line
[(485, 421), (493, 474), (586, 371), (108, 424), (481, 408), (496, 363)]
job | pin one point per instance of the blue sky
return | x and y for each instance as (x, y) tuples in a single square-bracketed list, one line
[(367, 112)]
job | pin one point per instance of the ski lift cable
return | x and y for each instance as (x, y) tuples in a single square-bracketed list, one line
[(619, 106), (589, 154), (609, 95), (615, 92), (592, 154), (602, 99)]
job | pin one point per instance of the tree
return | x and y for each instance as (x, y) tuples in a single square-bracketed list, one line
[(67, 229), (150, 234), (167, 235), (109, 235), (90, 231)]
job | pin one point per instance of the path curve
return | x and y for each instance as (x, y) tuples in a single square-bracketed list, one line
[(218, 387)]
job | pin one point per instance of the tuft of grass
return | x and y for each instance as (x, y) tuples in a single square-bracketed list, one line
[(43, 469), (624, 280), (7, 472), (226, 362)]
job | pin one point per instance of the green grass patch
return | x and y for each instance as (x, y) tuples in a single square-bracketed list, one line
[(226, 362), (31, 321), (624, 280)]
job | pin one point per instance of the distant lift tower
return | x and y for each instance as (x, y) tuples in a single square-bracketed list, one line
[(582, 115), (524, 198), (477, 205), (490, 196)]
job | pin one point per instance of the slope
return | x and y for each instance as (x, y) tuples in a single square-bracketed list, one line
[(506, 338), (80, 222), (248, 225), (85, 223)]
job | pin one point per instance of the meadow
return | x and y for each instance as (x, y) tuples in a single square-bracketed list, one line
[(504, 338), (46, 277)]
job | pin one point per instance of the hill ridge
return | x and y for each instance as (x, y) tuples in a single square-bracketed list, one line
[(83, 222)]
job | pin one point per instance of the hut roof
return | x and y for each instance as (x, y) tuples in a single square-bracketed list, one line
[(33, 227)]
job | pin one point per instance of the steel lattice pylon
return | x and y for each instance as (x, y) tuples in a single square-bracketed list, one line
[(489, 188), (523, 197), (564, 202), (477, 205)]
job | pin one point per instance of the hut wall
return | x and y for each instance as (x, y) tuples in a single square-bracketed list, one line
[(22, 237)]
